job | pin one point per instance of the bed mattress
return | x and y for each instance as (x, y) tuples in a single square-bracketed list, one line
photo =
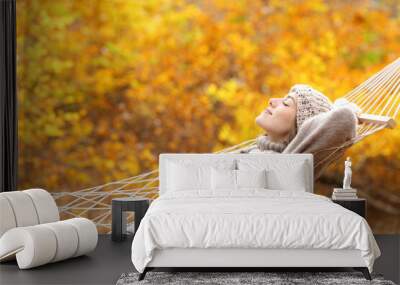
[(253, 219)]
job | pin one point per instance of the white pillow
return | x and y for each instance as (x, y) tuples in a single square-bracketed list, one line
[(188, 177), (251, 178), (293, 181), (231, 180), (187, 174), (223, 179), (282, 174)]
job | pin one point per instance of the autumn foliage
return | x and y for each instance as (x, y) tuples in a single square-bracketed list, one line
[(105, 86)]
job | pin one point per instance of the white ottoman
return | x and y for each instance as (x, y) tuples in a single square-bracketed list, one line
[(31, 232)]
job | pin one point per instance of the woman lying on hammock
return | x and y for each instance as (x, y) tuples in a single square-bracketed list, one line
[(305, 121)]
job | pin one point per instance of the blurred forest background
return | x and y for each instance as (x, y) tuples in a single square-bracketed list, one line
[(105, 86)]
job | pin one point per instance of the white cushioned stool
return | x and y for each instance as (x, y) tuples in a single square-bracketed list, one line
[(31, 230)]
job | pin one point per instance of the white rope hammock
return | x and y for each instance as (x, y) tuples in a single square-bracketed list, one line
[(378, 98)]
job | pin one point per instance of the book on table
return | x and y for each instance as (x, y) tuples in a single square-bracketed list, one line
[(344, 194)]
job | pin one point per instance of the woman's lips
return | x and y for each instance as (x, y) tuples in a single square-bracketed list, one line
[(268, 111)]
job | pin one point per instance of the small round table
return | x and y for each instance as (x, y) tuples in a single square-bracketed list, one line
[(119, 208)]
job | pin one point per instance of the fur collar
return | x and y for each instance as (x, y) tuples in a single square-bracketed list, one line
[(264, 144)]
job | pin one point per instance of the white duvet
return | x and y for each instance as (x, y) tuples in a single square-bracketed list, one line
[(251, 219)]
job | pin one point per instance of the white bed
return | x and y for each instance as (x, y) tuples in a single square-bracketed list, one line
[(247, 210)]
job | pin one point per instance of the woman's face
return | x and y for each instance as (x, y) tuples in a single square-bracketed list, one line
[(279, 118)]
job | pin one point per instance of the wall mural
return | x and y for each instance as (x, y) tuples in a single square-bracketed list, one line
[(104, 87)]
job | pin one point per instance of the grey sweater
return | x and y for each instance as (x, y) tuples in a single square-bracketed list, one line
[(321, 136)]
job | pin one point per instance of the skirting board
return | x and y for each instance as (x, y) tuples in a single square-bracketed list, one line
[(234, 257)]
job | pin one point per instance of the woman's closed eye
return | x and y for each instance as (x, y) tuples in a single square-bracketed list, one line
[(285, 103)]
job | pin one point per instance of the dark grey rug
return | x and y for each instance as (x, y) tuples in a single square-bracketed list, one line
[(228, 278)]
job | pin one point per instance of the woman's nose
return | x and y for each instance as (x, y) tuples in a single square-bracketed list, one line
[(273, 102)]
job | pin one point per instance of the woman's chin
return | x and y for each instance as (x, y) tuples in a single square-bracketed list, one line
[(259, 120), (262, 126)]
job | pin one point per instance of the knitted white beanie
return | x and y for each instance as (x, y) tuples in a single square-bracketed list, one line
[(310, 103)]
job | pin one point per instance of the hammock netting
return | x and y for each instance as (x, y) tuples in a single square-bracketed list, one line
[(378, 98)]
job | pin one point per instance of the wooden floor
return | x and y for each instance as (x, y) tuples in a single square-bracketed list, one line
[(111, 259)]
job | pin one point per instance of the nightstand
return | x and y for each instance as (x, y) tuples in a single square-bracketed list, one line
[(119, 208), (358, 206)]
